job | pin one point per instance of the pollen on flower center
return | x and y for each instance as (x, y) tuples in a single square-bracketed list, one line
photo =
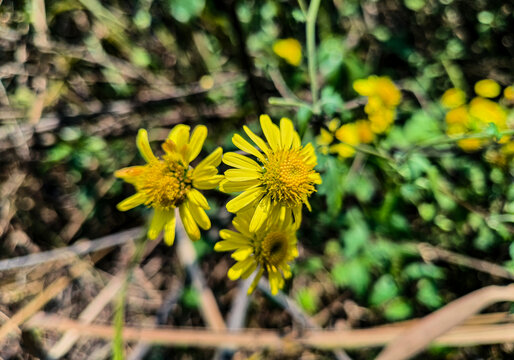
[(273, 248), (286, 177), (165, 183)]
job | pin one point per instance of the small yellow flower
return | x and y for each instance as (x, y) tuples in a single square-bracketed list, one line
[(508, 93), (348, 134), (486, 111), (487, 88), (453, 98), (289, 49), (380, 87), (366, 135), (470, 144), (170, 182), (283, 180), (458, 115), (381, 121), (271, 249)]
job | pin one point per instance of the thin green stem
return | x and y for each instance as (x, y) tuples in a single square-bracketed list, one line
[(311, 50), (119, 315), (288, 102), (303, 7)]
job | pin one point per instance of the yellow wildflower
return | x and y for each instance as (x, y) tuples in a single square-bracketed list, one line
[(508, 93), (348, 134), (289, 49), (453, 98), (170, 182), (283, 180), (487, 111), (458, 115), (365, 132), (469, 145), (271, 249), (380, 87), (487, 88), (324, 139)]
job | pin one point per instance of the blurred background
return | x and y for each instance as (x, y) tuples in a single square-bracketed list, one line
[(78, 78)]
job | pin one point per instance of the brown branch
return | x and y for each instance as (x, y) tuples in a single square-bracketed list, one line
[(415, 338), (463, 335)]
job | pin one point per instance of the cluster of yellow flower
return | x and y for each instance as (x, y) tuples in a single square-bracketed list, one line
[(383, 98), (474, 117), (268, 210)]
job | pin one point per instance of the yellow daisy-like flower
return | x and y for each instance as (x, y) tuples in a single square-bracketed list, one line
[(280, 183), (487, 88), (271, 249), (453, 98), (290, 50), (170, 182)]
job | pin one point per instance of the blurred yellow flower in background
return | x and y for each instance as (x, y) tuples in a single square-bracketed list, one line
[(453, 98), (170, 182), (383, 98), (487, 88), (270, 249), (348, 134), (289, 49), (281, 183), (508, 93)]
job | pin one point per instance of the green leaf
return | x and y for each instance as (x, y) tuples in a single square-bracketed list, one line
[(397, 309), (383, 290), (307, 300), (353, 274), (428, 295), (331, 102), (419, 270), (185, 10), (303, 116)]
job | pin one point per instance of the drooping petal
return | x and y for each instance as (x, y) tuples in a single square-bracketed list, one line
[(196, 142), (159, 218), (238, 268), (189, 222), (169, 230), (271, 132), (262, 211), (199, 215), (131, 202), (144, 146), (245, 199), (255, 281), (197, 198)]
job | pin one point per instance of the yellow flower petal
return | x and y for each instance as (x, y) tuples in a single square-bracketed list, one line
[(213, 160), (262, 211), (286, 133), (180, 136), (207, 183), (159, 218), (196, 142), (235, 186), (255, 281), (244, 145), (257, 140), (197, 198), (190, 226), (169, 230), (245, 199), (232, 236), (242, 174), (271, 132), (144, 146), (200, 216), (238, 268), (240, 161), (242, 253), (129, 174), (227, 245), (131, 202)]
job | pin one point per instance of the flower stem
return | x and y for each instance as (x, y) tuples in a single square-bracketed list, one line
[(310, 29), (288, 102)]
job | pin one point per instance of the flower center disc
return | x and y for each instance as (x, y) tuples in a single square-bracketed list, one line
[(286, 177), (165, 183), (274, 248)]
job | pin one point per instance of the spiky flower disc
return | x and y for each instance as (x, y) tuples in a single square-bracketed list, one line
[(169, 182), (282, 179), (269, 250)]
